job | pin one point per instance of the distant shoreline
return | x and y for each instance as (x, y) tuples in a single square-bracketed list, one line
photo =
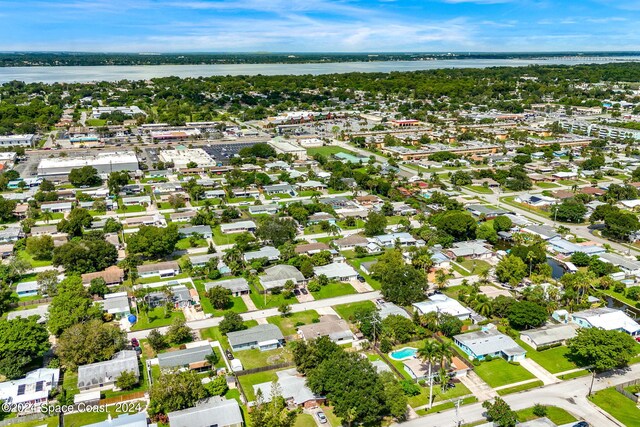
[(71, 59)]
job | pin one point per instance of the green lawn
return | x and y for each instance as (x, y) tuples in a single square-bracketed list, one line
[(184, 244), (130, 209), (553, 359), (576, 374), (49, 422), (248, 381), (278, 196), (547, 185), (255, 358), (519, 388), (223, 239), (479, 189), (359, 224), (346, 311), (288, 325), (557, 415), (335, 289), (237, 304), (357, 262), (156, 318), (447, 405), (309, 193), (96, 122), (475, 266), (457, 390), (23, 254), (499, 372), (328, 150), (621, 408), (214, 333), (305, 420), (313, 229), (268, 300)]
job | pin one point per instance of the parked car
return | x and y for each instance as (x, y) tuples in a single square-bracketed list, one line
[(304, 291), (321, 417), (134, 342), (581, 424), (361, 279), (229, 355)]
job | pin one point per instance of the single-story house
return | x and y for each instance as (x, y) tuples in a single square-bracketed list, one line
[(311, 185), (161, 269), (312, 248), (486, 211), (336, 329), (180, 297), (537, 200), (238, 286), (474, 249), (279, 189), (203, 230), (124, 420), (27, 289), (419, 370), (32, 390), (630, 267), (367, 267), (56, 207), (390, 240), (386, 309), (117, 303), (11, 234), (319, 217), (278, 275), (202, 260), (264, 209), (340, 271), (214, 194), (193, 357), (214, 411), (489, 342), (136, 201), (268, 252), (440, 303), (565, 247), (543, 231), (103, 375), (293, 388), (44, 230), (183, 216), (606, 318), (113, 276), (548, 335), (155, 220), (238, 227), (349, 243), (263, 337), (6, 250)]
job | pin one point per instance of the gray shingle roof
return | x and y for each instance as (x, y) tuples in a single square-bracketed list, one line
[(489, 342), (106, 372), (173, 359), (256, 334), (214, 412)]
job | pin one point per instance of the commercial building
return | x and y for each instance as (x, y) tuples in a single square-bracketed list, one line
[(182, 157), (103, 162), (284, 147), (26, 140), (133, 110)]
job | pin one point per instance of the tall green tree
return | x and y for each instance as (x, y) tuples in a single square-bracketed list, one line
[(72, 305), (21, 342)]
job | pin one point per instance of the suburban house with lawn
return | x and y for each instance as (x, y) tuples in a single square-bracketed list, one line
[(27, 289), (606, 318), (32, 390), (124, 420), (202, 260), (293, 388), (214, 411), (202, 230), (103, 375), (312, 248), (442, 304), (276, 276), (193, 357), (336, 329), (116, 304), (340, 271), (263, 337), (161, 269), (419, 370), (474, 249), (276, 189), (489, 342), (349, 243), (182, 216), (180, 297), (268, 252), (136, 201), (319, 217), (549, 335), (238, 227), (112, 276), (238, 286)]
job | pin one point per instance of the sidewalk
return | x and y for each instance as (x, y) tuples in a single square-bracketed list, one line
[(538, 371), (478, 387)]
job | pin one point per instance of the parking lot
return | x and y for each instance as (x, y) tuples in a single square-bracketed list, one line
[(223, 153)]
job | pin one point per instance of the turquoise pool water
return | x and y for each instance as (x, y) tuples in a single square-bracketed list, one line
[(403, 353)]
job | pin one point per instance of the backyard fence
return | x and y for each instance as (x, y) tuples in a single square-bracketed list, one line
[(265, 368), (621, 389)]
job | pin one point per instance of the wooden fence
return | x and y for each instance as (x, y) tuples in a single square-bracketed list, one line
[(620, 389), (123, 398), (265, 368)]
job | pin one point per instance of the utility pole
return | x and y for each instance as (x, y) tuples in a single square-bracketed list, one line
[(593, 377), (458, 420)]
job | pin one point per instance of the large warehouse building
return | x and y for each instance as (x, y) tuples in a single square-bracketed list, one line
[(103, 162)]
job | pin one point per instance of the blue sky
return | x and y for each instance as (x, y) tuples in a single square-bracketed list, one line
[(319, 25)]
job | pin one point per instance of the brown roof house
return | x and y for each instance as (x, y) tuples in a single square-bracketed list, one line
[(331, 326), (113, 275)]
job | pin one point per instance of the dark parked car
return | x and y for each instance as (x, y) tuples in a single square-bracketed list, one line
[(361, 279), (304, 291), (134, 342), (229, 355), (581, 424)]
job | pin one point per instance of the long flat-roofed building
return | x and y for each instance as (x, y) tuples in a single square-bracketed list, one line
[(103, 162), (25, 140)]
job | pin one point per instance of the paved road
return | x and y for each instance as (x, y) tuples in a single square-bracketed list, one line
[(254, 315), (569, 395)]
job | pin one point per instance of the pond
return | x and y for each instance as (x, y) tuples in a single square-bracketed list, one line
[(557, 269), (619, 305)]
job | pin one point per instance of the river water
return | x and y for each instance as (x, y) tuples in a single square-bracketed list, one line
[(114, 73)]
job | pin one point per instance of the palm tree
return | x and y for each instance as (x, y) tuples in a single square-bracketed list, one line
[(445, 352), (429, 354), (483, 306), (47, 216), (443, 379), (484, 275), (442, 279)]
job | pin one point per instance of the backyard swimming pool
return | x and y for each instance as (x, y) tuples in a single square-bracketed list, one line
[(403, 353)]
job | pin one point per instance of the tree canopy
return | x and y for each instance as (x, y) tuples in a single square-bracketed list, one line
[(21, 341), (604, 350), (72, 305)]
